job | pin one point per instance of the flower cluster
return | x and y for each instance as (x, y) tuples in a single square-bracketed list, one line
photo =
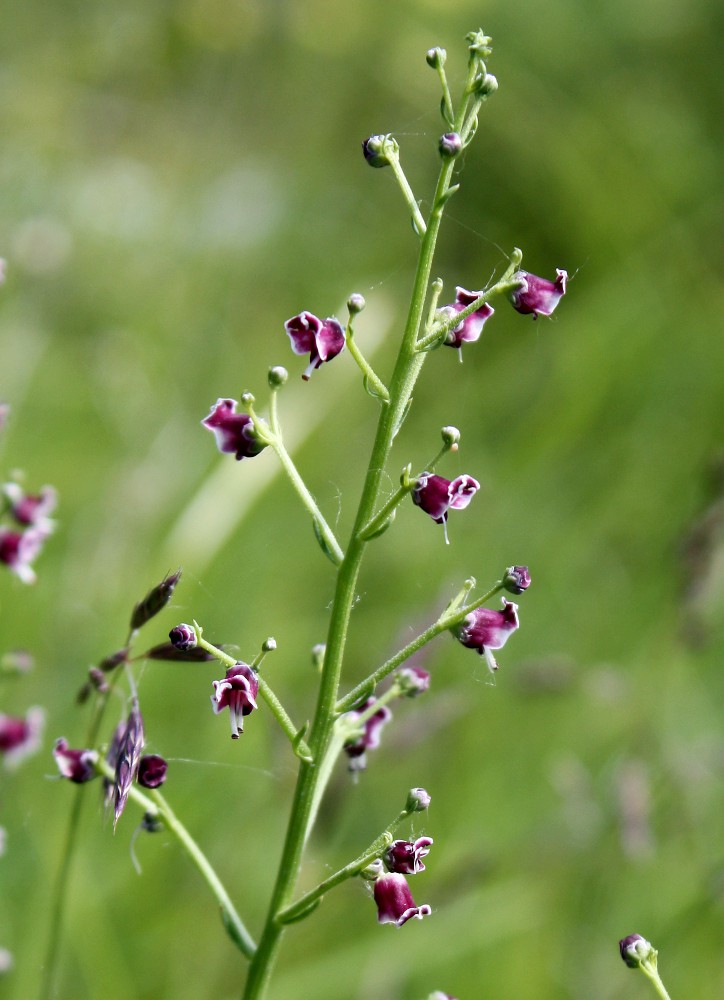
[(26, 528)]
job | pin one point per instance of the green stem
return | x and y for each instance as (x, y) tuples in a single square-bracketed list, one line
[(406, 371), (154, 803), (371, 377), (378, 845), (276, 443), (652, 974), (444, 622), (408, 194)]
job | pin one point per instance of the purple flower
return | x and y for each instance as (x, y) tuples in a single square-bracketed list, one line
[(29, 509), (395, 904), (321, 340), (538, 295), (152, 771), (20, 738), (485, 630), (472, 326), (436, 495), (405, 857), (234, 432), (237, 692), (516, 579), (19, 549), (76, 765), (369, 739)]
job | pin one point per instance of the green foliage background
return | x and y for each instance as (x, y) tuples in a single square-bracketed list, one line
[(178, 178)]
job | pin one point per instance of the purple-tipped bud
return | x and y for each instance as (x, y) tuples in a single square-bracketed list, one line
[(277, 377), (405, 857), (19, 738), (485, 629), (18, 549), (155, 600), (152, 771), (128, 759), (538, 295), (369, 737), (412, 681), (322, 340), (356, 303), (418, 800), (395, 904), (635, 950), (97, 680), (183, 637), (76, 765), (436, 57), (516, 579), (469, 330), (436, 495), (234, 432), (378, 150), (237, 692), (109, 663), (450, 145)]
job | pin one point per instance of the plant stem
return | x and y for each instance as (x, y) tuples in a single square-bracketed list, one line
[(444, 622), (378, 845), (406, 371)]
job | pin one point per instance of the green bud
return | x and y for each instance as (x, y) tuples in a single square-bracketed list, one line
[(436, 57), (277, 376)]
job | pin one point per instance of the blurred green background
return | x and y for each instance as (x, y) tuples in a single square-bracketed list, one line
[(176, 180)]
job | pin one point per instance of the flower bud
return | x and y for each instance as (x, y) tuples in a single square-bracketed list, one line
[(418, 800), (436, 57), (155, 600), (635, 950), (486, 85), (378, 149), (269, 645), (152, 771), (318, 652), (277, 376), (516, 579), (450, 145), (450, 437), (356, 303), (183, 637), (412, 681)]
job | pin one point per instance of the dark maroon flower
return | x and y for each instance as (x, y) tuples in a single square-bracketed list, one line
[(29, 509), (485, 629), (538, 295), (472, 326), (76, 765), (516, 579), (412, 681), (152, 771), (20, 738), (395, 904), (436, 495), (635, 950), (19, 549), (237, 692), (234, 432), (369, 738), (405, 857), (310, 335), (183, 637)]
